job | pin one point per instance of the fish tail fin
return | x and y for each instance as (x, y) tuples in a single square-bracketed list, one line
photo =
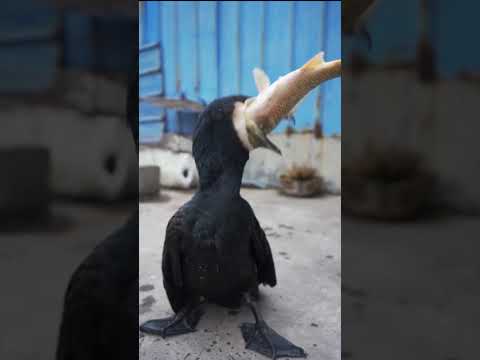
[(262, 81), (315, 62)]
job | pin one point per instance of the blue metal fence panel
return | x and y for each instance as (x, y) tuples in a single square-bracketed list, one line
[(151, 82), (211, 47), (149, 59), (168, 38), (395, 30), (29, 50), (19, 74), (308, 40), (454, 33), (79, 44), (35, 37), (332, 89), (388, 41), (251, 44), (208, 35), (98, 43), (150, 69)]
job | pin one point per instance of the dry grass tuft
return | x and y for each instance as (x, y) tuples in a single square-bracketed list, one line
[(301, 181), (299, 173)]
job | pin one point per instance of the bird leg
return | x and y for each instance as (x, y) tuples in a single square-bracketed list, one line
[(259, 337), (183, 322)]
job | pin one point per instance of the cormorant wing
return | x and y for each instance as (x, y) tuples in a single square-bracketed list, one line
[(171, 261), (106, 279), (263, 255)]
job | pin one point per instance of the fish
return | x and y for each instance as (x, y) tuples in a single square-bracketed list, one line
[(261, 114), (262, 81)]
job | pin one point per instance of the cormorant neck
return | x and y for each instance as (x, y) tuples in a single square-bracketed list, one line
[(227, 181)]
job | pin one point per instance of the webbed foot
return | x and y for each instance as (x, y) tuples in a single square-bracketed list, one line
[(183, 322), (259, 337)]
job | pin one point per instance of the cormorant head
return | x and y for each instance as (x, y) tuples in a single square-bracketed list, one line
[(217, 147)]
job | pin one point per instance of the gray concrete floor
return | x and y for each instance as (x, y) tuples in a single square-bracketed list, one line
[(304, 235), (411, 289), (36, 263)]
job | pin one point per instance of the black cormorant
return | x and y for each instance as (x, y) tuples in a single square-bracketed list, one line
[(100, 313), (215, 249)]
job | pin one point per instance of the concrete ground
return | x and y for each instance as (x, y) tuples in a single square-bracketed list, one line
[(410, 290), (304, 235), (36, 263)]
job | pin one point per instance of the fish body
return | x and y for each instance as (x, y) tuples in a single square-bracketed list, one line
[(279, 99), (255, 117), (262, 81)]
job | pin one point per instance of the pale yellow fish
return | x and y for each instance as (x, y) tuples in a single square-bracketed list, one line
[(262, 82), (257, 116), (277, 100)]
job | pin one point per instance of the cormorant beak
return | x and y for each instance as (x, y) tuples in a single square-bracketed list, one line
[(250, 134), (258, 138)]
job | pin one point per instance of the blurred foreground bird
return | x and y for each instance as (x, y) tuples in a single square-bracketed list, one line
[(100, 313), (215, 249)]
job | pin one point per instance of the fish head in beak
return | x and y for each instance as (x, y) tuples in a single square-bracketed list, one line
[(252, 136), (258, 116)]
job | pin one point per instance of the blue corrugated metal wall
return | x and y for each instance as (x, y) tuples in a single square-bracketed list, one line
[(209, 48), (394, 26), (28, 58), (102, 44), (36, 40)]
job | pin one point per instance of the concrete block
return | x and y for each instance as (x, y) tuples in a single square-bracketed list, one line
[(148, 181), (91, 157), (178, 170), (176, 143), (24, 183), (264, 167)]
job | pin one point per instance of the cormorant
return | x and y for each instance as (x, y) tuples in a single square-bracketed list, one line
[(215, 249), (100, 314)]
